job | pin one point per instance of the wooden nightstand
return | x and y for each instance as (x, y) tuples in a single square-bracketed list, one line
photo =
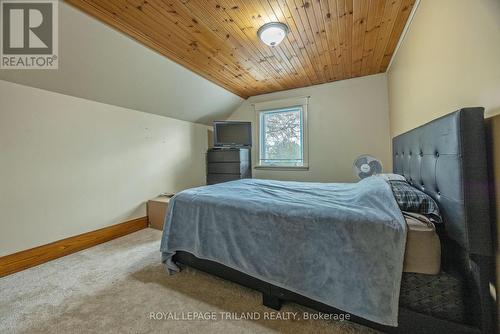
[(157, 209)]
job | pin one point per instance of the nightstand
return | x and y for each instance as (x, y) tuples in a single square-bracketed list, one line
[(157, 209)]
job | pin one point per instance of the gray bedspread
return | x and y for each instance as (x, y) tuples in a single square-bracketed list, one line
[(338, 243)]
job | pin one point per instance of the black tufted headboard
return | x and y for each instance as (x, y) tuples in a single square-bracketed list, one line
[(446, 158)]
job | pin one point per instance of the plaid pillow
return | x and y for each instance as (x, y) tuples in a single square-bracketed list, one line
[(411, 199)]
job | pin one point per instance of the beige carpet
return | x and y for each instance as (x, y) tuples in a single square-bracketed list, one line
[(114, 288)]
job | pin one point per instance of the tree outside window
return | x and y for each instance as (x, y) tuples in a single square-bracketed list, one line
[(281, 137)]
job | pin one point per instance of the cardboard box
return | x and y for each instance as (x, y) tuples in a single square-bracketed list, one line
[(157, 209)]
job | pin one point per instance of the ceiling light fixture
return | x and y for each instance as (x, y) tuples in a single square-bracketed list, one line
[(272, 33)]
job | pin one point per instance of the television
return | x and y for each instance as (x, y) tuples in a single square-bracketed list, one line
[(232, 134)]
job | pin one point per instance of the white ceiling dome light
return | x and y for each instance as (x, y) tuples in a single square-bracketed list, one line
[(272, 33)]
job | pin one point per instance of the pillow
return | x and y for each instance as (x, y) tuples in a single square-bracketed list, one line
[(391, 177), (411, 199)]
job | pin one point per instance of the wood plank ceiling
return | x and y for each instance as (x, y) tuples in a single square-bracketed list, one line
[(329, 40)]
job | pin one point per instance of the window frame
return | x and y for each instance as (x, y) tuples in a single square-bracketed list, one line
[(276, 106)]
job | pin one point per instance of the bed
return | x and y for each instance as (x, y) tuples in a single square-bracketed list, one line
[(445, 158)]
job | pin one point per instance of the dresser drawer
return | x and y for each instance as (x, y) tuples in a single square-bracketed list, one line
[(227, 155), (224, 167), (218, 178), (223, 155)]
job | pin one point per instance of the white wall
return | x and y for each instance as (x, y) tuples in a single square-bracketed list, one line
[(69, 165), (346, 119), (449, 59), (101, 64)]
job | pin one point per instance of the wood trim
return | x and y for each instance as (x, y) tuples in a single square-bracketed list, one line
[(12, 263)]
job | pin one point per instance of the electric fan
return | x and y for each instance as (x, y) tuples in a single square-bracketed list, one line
[(366, 165)]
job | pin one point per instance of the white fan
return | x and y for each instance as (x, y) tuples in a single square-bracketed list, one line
[(366, 165)]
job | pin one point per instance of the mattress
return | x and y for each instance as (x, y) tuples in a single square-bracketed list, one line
[(423, 248), (425, 288)]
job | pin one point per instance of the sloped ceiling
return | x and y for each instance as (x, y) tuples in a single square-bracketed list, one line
[(101, 64), (329, 40)]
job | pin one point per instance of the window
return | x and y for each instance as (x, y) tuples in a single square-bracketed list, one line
[(282, 137)]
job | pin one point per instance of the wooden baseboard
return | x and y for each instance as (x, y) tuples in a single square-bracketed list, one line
[(32, 257)]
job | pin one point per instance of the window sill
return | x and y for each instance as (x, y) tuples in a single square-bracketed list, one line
[(282, 167)]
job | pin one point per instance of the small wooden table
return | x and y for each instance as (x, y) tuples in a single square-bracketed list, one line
[(157, 209)]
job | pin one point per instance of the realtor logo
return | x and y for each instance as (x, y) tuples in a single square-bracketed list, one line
[(29, 38)]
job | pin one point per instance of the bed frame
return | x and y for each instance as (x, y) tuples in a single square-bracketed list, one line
[(445, 158)]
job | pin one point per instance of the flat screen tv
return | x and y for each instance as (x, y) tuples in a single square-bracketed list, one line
[(230, 133)]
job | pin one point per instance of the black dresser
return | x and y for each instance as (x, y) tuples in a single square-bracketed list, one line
[(228, 164)]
